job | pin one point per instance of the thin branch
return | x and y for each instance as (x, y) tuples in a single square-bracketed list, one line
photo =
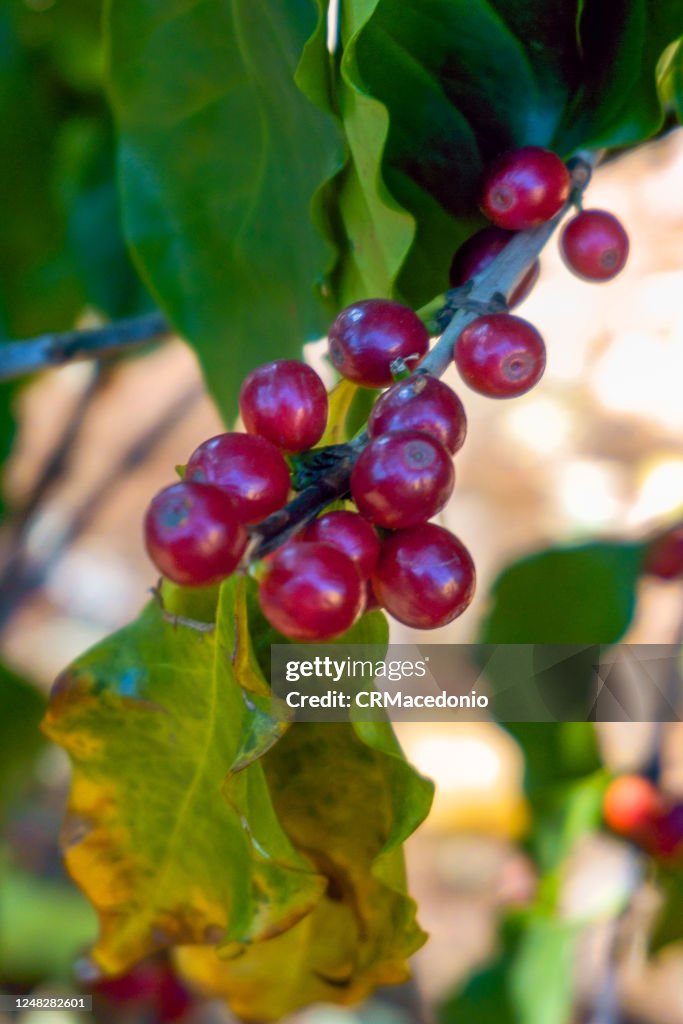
[(18, 358)]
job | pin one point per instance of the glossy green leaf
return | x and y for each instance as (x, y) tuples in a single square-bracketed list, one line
[(617, 101), (153, 719), (574, 595), (463, 80), (369, 229), (39, 290), (220, 155)]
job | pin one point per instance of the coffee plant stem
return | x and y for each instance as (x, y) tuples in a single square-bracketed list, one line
[(18, 358)]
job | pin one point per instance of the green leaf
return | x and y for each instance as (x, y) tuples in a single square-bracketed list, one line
[(198, 819), (370, 230), (542, 976), (555, 753), (463, 80), (670, 78), (152, 719), (220, 156), (38, 288), (21, 709), (574, 595), (485, 999), (565, 815), (617, 101), (669, 923)]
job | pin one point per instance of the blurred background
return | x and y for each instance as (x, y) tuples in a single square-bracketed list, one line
[(596, 450)]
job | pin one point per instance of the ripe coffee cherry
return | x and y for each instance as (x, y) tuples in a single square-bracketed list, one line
[(311, 591), (423, 403), (425, 576), (193, 535), (285, 402), (525, 188), (479, 252), (631, 806), (667, 841), (248, 468), (367, 337), (500, 355), (594, 245), (151, 988), (664, 556), (350, 533), (402, 479)]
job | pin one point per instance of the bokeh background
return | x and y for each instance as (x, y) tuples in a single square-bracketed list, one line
[(596, 450)]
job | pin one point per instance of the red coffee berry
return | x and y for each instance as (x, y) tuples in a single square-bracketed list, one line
[(137, 985), (350, 533), (425, 576), (311, 591), (366, 338), (173, 1000), (193, 534), (666, 839), (423, 403), (525, 188), (500, 355), (248, 468), (402, 479), (594, 245), (479, 252), (285, 402), (631, 806), (151, 988), (664, 556)]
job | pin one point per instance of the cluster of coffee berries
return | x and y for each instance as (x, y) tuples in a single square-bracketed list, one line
[(381, 549), (501, 355), (378, 550), (639, 811)]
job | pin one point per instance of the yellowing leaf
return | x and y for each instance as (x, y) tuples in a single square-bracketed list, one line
[(153, 719), (347, 803)]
